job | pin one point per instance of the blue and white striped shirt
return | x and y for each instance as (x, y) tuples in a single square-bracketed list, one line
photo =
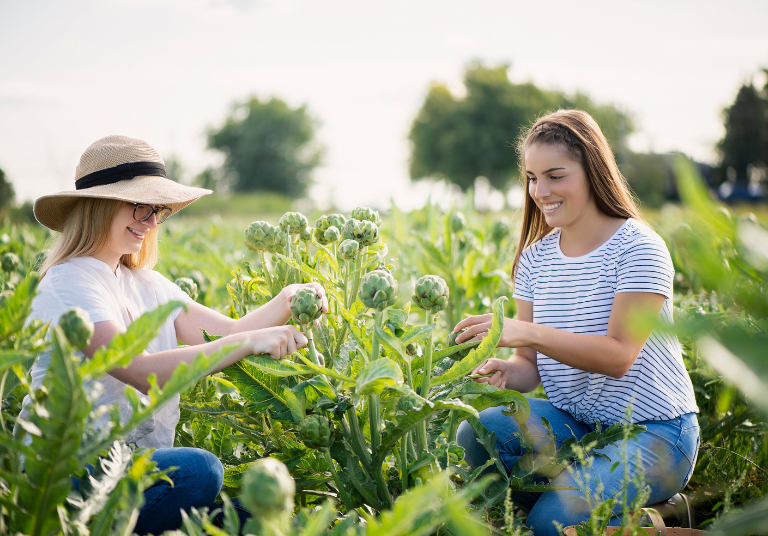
[(576, 294)]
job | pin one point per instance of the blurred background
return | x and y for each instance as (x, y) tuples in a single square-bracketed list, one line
[(321, 106)]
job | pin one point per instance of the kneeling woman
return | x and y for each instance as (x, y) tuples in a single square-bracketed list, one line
[(102, 262), (586, 266)]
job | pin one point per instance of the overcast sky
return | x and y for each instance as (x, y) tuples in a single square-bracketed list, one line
[(166, 70)]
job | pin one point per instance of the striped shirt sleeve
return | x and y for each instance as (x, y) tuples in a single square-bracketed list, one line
[(645, 266), (523, 290)]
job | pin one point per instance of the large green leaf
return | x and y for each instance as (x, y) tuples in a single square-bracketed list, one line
[(482, 352), (378, 375), (281, 368), (261, 390), (14, 313)]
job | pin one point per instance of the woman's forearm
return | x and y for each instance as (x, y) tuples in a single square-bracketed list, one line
[(162, 364), (592, 353), (275, 312)]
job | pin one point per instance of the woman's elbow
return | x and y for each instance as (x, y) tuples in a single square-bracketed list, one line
[(620, 369)]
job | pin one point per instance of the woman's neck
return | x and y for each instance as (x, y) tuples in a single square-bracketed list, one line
[(588, 232), (110, 259)]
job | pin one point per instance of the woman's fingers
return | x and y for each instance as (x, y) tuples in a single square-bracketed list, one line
[(472, 320), (299, 338), (473, 331)]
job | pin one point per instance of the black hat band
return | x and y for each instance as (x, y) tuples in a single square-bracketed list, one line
[(120, 173)]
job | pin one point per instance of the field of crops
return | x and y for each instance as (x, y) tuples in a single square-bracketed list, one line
[(363, 421)]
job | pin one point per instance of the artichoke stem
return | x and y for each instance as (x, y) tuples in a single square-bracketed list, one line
[(346, 499), (381, 485), (357, 439), (404, 462), (356, 278), (266, 272), (374, 413), (311, 346), (453, 427), (426, 379)]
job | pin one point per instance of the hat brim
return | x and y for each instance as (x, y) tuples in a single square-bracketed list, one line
[(53, 210)]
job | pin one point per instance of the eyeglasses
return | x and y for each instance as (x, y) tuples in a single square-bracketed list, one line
[(144, 212)]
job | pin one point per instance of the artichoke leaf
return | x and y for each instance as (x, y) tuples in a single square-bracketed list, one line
[(446, 352), (378, 375), (281, 368)]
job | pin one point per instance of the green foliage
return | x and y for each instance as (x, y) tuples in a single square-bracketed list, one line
[(460, 139), (7, 193), (268, 146)]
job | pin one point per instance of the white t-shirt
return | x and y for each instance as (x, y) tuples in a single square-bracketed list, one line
[(89, 283), (576, 294)]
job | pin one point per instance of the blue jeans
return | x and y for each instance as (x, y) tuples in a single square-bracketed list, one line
[(667, 452), (197, 481)]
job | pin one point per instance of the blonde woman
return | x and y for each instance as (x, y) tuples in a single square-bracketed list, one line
[(586, 265), (102, 262)]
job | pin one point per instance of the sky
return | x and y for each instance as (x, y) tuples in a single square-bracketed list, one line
[(166, 71)]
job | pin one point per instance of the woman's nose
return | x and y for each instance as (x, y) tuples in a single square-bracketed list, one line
[(540, 189), (152, 221)]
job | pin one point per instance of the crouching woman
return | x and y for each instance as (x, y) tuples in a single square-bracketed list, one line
[(586, 267), (102, 262)]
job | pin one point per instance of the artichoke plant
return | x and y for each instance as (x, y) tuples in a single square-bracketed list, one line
[(306, 234), (315, 432), (189, 286), (348, 249), (323, 223), (461, 354), (280, 242), (367, 233), (366, 214), (378, 290), (306, 306), (458, 222), (292, 223), (9, 261), (331, 235), (500, 231), (268, 490), (431, 293), (260, 236), (77, 327), (348, 229)]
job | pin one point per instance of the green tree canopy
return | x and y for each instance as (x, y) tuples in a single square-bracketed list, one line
[(746, 132), (268, 147), (460, 139), (7, 193)]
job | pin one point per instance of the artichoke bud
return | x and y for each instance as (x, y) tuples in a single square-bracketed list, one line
[(292, 223), (348, 229), (280, 242), (411, 348), (332, 235), (458, 222), (406, 404), (306, 234), (77, 327), (378, 290), (268, 489), (9, 261), (500, 231), (366, 214), (431, 293), (189, 286), (348, 249), (315, 432), (367, 233), (336, 220), (458, 356), (306, 306), (259, 236)]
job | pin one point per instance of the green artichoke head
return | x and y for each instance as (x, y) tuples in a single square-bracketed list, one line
[(9, 261), (268, 489), (458, 222), (260, 236), (332, 235), (293, 223), (336, 220), (348, 249), (366, 214), (500, 231), (348, 229), (77, 327), (431, 293), (412, 349), (367, 233), (189, 286), (280, 242), (378, 290), (306, 234), (315, 432), (458, 356), (306, 306)]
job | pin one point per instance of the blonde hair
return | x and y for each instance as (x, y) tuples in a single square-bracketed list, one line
[(86, 232), (580, 136)]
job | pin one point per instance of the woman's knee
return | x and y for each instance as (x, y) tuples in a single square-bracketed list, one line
[(474, 453), (199, 474)]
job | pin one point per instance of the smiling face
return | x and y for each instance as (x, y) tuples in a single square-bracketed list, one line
[(558, 185), (126, 235)]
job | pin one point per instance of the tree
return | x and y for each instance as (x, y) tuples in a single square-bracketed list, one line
[(7, 194), (746, 133), (460, 139), (268, 147)]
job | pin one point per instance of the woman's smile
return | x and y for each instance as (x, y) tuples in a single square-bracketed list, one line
[(139, 235), (549, 208)]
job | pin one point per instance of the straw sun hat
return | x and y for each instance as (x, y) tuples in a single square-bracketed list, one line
[(117, 167)]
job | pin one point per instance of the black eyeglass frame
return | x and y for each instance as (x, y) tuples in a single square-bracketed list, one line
[(162, 212)]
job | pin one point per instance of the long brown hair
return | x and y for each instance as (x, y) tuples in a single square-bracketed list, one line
[(86, 232), (580, 135)]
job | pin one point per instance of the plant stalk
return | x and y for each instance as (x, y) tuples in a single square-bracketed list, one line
[(421, 437), (358, 442), (374, 413), (342, 491), (267, 273)]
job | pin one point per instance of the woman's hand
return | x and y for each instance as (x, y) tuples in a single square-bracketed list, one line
[(514, 334), (500, 369), (290, 291), (278, 342)]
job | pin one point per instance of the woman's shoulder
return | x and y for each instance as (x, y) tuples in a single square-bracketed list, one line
[(636, 236), (541, 247)]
